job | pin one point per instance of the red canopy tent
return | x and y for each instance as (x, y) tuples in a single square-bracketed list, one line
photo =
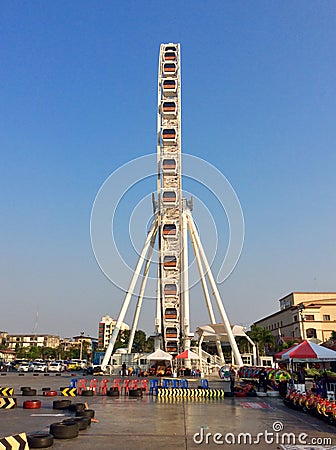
[(187, 354), (307, 351), (279, 354)]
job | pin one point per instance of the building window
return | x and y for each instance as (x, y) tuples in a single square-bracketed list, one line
[(309, 317), (326, 317), (311, 333), (295, 318)]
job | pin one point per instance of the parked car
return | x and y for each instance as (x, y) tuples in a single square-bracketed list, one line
[(55, 366), (40, 367), (74, 364), (25, 367)]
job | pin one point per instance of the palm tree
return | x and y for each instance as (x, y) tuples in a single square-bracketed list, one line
[(261, 337)]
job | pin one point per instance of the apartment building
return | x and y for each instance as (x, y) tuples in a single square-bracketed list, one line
[(105, 330), (27, 340), (303, 315)]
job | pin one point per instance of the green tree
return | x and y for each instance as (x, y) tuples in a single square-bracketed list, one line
[(122, 339), (149, 345), (139, 341), (49, 353), (289, 343), (34, 352), (261, 337)]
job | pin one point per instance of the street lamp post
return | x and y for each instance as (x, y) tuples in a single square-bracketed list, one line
[(300, 308), (81, 345)]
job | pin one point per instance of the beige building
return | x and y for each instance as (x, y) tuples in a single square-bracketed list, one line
[(105, 330), (303, 315), (37, 340)]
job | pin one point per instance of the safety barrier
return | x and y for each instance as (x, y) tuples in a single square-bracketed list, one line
[(69, 392), (190, 393), (8, 403), (6, 392), (15, 442)]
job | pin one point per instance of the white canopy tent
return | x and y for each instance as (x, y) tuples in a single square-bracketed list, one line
[(159, 355), (216, 331)]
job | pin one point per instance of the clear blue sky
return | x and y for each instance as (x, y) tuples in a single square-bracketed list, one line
[(78, 99)]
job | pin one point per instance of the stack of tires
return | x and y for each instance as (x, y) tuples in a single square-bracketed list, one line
[(113, 392), (28, 391), (67, 429)]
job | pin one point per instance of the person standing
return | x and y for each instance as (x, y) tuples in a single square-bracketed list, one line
[(123, 369), (282, 385), (232, 379), (301, 379), (262, 380)]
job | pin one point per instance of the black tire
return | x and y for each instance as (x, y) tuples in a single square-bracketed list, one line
[(40, 440), (77, 407), (86, 413), (61, 404), (251, 394), (135, 392), (228, 394), (82, 422), (30, 393), (87, 393), (113, 393), (87, 420), (61, 430)]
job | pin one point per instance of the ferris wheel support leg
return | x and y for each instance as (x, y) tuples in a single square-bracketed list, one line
[(141, 293), (205, 287), (186, 308), (254, 350), (233, 343), (129, 294)]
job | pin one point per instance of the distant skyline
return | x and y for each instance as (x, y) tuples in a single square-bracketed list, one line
[(79, 99)]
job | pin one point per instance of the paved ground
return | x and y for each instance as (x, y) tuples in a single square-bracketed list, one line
[(150, 423)]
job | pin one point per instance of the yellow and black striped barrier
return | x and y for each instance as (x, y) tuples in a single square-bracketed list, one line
[(190, 393), (6, 392), (8, 403), (15, 442), (69, 392)]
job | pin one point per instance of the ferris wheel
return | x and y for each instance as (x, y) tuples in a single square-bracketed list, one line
[(170, 226)]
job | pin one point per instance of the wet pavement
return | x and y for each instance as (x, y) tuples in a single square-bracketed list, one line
[(151, 423)]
